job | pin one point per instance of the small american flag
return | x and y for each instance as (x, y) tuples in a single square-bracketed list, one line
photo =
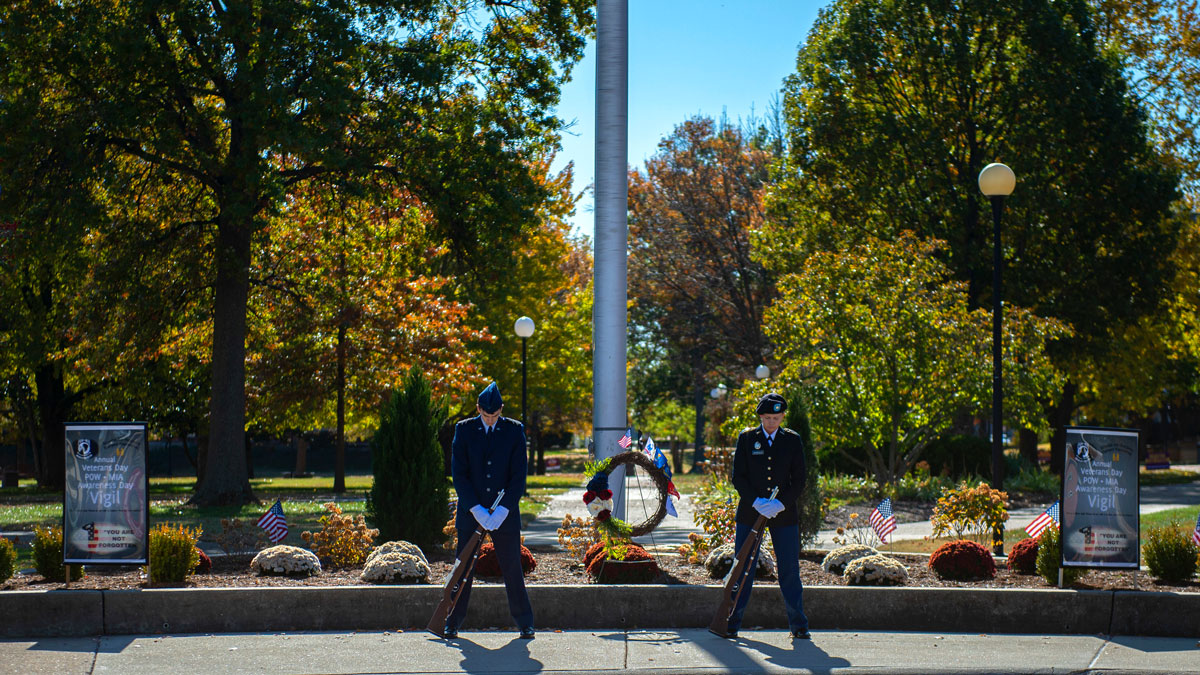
[(882, 520), (1196, 532), (1043, 521), (274, 522), (626, 440)]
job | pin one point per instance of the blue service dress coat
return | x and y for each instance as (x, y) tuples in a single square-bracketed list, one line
[(483, 464), (758, 468)]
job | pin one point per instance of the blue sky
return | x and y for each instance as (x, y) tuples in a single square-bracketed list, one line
[(686, 58)]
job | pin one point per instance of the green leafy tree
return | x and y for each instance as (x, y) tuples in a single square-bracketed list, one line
[(409, 496), (241, 103), (883, 344), (895, 108)]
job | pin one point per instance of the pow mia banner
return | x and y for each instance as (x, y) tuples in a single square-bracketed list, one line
[(105, 513), (1100, 526)]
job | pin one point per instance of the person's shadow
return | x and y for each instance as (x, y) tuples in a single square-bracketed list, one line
[(511, 657), (803, 654)]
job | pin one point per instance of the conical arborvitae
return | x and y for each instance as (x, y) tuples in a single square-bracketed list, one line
[(408, 500), (809, 506)]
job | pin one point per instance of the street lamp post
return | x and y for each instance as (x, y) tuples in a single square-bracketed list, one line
[(524, 330), (997, 181)]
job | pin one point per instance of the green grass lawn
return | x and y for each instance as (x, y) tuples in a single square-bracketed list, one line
[(1166, 477)]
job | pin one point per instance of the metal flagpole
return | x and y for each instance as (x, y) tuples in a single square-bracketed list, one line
[(611, 236)]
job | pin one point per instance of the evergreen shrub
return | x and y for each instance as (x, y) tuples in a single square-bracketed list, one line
[(811, 502), (48, 555), (1048, 557), (1169, 552), (8, 560), (173, 553), (963, 560), (408, 498), (1022, 559)]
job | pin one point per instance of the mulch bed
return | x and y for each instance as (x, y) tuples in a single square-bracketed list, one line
[(559, 567)]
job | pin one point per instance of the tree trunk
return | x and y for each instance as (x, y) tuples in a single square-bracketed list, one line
[(339, 457), (1028, 440), (698, 401), (301, 455), (249, 458), (1059, 417), (537, 442), (225, 479), (677, 454), (50, 398)]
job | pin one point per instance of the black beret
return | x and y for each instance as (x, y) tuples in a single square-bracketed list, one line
[(770, 404), (489, 399)]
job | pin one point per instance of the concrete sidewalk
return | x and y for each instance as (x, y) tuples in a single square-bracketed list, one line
[(674, 651)]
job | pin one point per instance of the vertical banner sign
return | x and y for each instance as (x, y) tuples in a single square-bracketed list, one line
[(1100, 502), (105, 514)]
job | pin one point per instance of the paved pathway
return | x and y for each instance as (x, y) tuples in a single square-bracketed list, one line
[(614, 650)]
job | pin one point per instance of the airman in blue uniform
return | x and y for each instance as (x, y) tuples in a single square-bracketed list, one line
[(487, 456), (767, 457)]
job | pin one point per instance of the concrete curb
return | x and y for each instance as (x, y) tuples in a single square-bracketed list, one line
[(60, 613)]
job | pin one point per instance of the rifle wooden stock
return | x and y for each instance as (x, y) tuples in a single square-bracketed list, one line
[(735, 586), (459, 574)]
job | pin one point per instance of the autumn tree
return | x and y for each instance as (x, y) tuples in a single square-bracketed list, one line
[(245, 102), (887, 351), (698, 294), (344, 308), (895, 108), (1159, 41)]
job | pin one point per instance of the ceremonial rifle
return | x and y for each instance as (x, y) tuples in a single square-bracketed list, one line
[(735, 582), (456, 582)]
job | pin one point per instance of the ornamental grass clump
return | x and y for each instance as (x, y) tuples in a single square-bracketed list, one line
[(343, 541), (48, 555), (875, 570), (963, 560), (8, 560), (488, 563), (1048, 558), (1022, 559), (577, 535), (173, 553), (977, 510), (1169, 553)]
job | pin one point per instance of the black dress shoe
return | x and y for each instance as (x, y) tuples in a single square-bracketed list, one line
[(801, 635), (732, 635), (450, 633), (527, 633)]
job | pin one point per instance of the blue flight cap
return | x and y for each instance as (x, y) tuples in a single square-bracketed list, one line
[(489, 399), (770, 404)]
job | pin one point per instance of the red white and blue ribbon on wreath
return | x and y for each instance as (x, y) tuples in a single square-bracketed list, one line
[(660, 461)]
